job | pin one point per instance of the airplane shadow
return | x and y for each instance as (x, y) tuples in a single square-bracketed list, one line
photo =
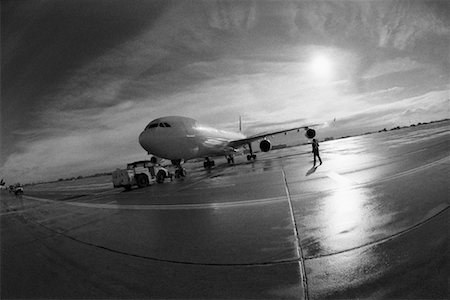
[(312, 170)]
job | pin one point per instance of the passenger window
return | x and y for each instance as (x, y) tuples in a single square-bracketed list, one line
[(161, 125), (167, 125)]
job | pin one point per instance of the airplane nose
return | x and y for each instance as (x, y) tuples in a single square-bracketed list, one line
[(143, 140)]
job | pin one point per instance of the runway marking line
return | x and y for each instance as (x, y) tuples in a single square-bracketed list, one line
[(349, 182), (341, 179), (412, 171), (10, 210), (165, 206)]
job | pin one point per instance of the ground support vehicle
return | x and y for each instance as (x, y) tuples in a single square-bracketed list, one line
[(17, 189), (140, 173)]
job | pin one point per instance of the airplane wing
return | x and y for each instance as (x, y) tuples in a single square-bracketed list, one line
[(238, 143)]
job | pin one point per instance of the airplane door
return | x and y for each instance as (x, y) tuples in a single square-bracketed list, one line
[(191, 141)]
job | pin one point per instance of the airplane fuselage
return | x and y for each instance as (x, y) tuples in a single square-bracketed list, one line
[(184, 138)]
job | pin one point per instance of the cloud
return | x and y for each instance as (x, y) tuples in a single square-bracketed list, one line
[(426, 107), (395, 65), (379, 30), (83, 144)]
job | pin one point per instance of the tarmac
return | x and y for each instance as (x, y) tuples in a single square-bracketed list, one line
[(370, 222)]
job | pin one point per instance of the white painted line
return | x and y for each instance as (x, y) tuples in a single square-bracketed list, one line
[(13, 212), (55, 217), (110, 202), (18, 210), (166, 206), (341, 179), (415, 170)]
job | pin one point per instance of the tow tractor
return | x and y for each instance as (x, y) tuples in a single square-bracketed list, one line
[(17, 189), (141, 173)]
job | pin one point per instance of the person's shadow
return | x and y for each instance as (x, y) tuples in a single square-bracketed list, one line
[(312, 170)]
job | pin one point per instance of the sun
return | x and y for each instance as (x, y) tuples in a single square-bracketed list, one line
[(321, 66)]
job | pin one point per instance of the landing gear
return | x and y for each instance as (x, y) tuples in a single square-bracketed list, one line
[(208, 164), (230, 159), (179, 170), (251, 155)]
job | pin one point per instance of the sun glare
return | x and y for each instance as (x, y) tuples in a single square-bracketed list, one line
[(321, 66)]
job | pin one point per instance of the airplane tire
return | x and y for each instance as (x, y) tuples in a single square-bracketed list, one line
[(180, 173), (160, 176), (142, 180)]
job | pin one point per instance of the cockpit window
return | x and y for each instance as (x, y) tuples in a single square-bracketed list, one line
[(153, 125)]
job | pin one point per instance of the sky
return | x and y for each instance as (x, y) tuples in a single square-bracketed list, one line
[(80, 79)]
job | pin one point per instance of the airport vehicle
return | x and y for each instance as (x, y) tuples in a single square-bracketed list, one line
[(181, 138), (17, 189), (140, 173), (3, 185)]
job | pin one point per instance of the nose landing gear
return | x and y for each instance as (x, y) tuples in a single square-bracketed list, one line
[(179, 170)]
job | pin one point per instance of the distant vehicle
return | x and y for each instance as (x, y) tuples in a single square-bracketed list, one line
[(140, 173), (17, 189), (3, 185), (181, 138)]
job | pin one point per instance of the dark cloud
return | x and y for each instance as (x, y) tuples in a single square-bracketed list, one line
[(43, 42)]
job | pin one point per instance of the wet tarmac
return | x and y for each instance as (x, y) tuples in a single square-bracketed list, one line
[(371, 222)]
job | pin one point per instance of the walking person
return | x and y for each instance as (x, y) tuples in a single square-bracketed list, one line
[(315, 151)]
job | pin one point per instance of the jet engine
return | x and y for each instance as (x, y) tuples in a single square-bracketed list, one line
[(310, 133), (265, 145)]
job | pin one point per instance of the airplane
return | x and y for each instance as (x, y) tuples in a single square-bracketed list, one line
[(180, 139)]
